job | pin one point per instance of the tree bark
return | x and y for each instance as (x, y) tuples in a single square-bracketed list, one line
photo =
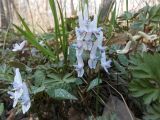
[(73, 12), (105, 9), (5, 13), (2, 15)]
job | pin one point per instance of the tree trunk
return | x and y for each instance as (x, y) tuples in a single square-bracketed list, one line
[(2, 15), (73, 12), (5, 11), (105, 9)]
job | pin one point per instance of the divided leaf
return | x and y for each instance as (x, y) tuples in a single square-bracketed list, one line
[(153, 112), (146, 77)]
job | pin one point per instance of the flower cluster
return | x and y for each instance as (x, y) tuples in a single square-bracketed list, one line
[(20, 92), (149, 38), (90, 38)]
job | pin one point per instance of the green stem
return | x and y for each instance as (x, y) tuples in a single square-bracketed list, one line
[(97, 97), (5, 38)]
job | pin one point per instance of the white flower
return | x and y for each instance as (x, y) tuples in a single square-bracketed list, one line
[(79, 48), (42, 43), (17, 87), (17, 80), (25, 99), (92, 62), (133, 38), (79, 67), (85, 24), (136, 37), (20, 92), (87, 44), (19, 47), (126, 49), (90, 38), (79, 34), (81, 21), (14, 97), (85, 13), (93, 24), (99, 37), (80, 70), (148, 37), (105, 64)]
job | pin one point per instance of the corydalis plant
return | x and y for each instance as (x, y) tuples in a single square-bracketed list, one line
[(90, 38), (20, 92)]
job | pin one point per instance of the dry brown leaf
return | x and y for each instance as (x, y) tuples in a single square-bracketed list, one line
[(75, 114), (120, 38)]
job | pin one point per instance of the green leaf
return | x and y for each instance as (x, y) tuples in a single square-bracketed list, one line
[(60, 94), (123, 59), (146, 77), (153, 11), (155, 18), (68, 78), (54, 76), (36, 90), (94, 83), (61, 34), (5, 73), (78, 81), (140, 74), (72, 55), (138, 25), (142, 92), (1, 108), (17, 65), (128, 15), (39, 77), (48, 36), (152, 96), (119, 67), (153, 112)]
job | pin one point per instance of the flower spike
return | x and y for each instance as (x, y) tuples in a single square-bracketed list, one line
[(89, 38)]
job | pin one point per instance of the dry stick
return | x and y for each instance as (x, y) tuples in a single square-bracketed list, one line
[(80, 93), (122, 99)]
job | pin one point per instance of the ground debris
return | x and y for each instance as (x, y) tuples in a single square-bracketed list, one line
[(115, 105)]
